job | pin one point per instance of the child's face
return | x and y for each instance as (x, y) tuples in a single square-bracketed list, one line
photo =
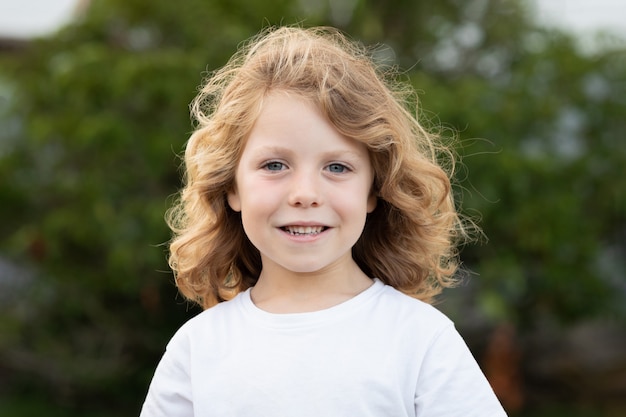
[(303, 189)]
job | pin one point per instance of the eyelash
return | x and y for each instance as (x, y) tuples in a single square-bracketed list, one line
[(270, 165), (343, 167)]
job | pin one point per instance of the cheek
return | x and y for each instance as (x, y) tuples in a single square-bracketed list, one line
[(257, 213), (256, 197), (352, 205)]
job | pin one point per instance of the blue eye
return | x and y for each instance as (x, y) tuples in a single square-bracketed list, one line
[(274, 166), (337, 168)]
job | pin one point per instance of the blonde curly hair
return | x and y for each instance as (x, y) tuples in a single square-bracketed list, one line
[(409, 241)]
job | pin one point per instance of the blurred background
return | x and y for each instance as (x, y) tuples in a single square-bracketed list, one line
[(94, 111)]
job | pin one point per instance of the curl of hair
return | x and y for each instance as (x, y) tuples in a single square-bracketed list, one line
[(409, 240)]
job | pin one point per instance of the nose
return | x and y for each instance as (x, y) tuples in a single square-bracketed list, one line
[(305, 190)]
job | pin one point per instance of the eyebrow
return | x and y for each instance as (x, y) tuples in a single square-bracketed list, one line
[(271, 149), (332, 154)]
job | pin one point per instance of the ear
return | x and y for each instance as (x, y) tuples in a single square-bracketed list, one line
[(372, 200), (233, 199)]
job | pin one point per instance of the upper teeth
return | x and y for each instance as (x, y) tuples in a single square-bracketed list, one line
[(304, 230)]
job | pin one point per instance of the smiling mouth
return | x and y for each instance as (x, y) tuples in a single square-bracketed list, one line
[(304, 230)]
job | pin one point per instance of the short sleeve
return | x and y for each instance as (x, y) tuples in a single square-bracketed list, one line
[(450, 382), (169, 394)]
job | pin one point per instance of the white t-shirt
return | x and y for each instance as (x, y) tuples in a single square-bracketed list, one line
[(381, 353)]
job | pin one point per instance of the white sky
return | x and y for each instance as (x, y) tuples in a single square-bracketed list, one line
[(25, 18), (584, 16)]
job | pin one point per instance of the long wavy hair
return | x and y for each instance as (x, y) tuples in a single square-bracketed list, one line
[(409, 241)]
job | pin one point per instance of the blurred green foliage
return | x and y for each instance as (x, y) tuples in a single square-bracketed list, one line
[(93, 118)]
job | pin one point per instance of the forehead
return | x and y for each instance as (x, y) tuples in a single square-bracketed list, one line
[(289, 119)]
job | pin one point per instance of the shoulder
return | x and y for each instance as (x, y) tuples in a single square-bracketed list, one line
[(206, 325), (401, 305), (449, 380), (403, 320)]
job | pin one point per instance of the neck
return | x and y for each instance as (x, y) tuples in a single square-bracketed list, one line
[(281, 291)]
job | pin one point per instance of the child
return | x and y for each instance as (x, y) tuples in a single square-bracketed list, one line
[(314, 219)]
